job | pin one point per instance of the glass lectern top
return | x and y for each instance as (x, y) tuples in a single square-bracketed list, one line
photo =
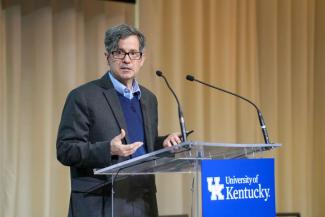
[(183, 157)]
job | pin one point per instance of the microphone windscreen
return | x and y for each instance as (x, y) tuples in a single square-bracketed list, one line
[(159, 73), (190, 77)]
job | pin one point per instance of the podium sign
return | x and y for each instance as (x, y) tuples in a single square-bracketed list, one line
[(238, 188)]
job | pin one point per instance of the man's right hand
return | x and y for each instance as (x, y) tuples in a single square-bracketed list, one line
[(118, 148)]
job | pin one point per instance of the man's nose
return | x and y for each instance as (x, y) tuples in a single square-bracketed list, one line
[(127, 58)]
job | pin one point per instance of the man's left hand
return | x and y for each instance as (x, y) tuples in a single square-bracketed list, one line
[(172, 139)]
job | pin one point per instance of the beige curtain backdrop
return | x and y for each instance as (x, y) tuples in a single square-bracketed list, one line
[(271, 51)]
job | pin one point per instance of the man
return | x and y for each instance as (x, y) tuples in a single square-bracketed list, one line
[(107, 121)]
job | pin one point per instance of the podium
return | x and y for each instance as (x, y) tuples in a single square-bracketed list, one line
[(185, 157)]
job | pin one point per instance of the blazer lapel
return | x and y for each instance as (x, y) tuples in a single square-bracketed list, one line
[(146, 122), (114, 103)]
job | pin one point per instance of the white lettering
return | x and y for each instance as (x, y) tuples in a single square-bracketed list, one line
[(241, 180), (229, 193), (252, 189), (248, 193)]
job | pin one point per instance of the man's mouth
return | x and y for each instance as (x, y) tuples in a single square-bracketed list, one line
[(126, 68)]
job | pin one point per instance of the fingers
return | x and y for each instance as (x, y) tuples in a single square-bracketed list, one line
[(171, 140), (127, 150), (118, 148), (131, 147)]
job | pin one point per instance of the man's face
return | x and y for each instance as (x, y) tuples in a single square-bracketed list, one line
[(126, 69)]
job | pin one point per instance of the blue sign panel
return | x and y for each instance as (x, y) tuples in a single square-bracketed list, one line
[(238, 188)]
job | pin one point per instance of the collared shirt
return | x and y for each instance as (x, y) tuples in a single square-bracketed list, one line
[(122, 89)]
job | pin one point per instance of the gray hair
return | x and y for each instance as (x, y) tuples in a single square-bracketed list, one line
[(116, 33)]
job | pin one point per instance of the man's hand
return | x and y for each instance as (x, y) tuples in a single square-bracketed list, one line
[(118, 148), (172, 139)]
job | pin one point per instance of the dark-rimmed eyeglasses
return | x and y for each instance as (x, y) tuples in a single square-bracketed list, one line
[(120, 54)]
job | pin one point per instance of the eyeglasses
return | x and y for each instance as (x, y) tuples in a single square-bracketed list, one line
[(120, 54)]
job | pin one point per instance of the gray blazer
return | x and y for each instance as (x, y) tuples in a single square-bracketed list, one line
[(91, 117)]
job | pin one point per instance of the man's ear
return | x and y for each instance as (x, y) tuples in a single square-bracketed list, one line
[(107, 58), (106, 55), (143, 58)]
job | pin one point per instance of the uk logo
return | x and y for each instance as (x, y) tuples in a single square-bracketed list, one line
[(215, 188)]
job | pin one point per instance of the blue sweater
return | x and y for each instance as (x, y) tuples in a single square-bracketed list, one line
[(134, 122)]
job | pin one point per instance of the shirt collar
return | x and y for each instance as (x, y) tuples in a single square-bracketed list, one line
[(123, 90)]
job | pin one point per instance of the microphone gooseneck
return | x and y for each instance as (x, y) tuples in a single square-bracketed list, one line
[(259, 113), (180, 112)]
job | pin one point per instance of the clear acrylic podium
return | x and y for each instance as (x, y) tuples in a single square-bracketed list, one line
[(182, 158)]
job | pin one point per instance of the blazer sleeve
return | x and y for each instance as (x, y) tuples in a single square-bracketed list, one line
[(73, 143)]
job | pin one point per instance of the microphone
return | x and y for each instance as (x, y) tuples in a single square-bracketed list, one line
[(259, 113), (180, 112)]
